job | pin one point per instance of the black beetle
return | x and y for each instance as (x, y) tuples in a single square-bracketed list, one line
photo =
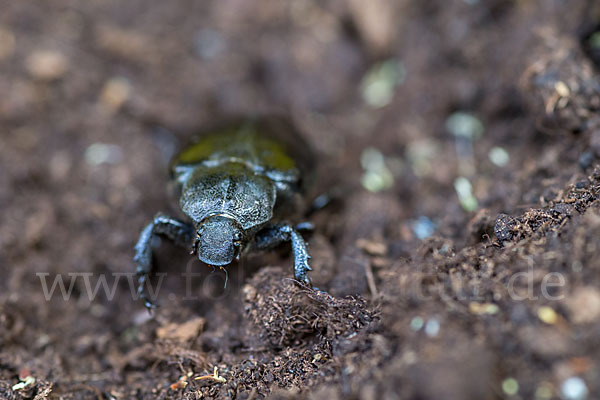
[(233, 182)]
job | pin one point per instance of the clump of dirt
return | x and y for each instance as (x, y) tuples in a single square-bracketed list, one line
[(540, 221), (563, 85), (283, 313)]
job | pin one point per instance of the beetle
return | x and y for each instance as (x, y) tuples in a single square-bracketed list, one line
[(236, 184)]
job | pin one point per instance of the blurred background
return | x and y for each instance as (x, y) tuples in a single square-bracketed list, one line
[(434, 117)]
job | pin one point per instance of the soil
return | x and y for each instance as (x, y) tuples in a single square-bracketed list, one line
[(494, 299)]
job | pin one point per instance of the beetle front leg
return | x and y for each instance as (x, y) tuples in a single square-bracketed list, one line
[(179, 232), (276, 234)]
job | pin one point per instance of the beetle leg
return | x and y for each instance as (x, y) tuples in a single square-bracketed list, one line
[(279, 233), (179, 232)]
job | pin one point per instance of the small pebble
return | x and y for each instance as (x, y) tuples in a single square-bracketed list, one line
[(562, 89), (547, 315), (464, 190), (423, 228), (483, 308), (43, 340), (574, 388), (372, 247), (25, 382), (584, 305), (372, 159), (499, 157), (115, 93), (464, 124), (46, 65), (432, 328), (510, 386), (102, 153), (380, 82), (503, 227), (416, 323), (375, 181), (377, 176)]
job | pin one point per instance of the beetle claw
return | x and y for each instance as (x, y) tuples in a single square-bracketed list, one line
[(195, 246)]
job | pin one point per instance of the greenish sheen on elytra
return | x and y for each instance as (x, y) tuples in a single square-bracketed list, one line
[(232, 182)]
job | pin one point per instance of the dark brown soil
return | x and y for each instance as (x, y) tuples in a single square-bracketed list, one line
[(501, 301)]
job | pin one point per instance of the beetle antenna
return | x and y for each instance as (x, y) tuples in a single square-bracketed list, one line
[(226, 277)]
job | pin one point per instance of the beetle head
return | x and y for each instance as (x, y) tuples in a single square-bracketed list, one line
[(218, 240)]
